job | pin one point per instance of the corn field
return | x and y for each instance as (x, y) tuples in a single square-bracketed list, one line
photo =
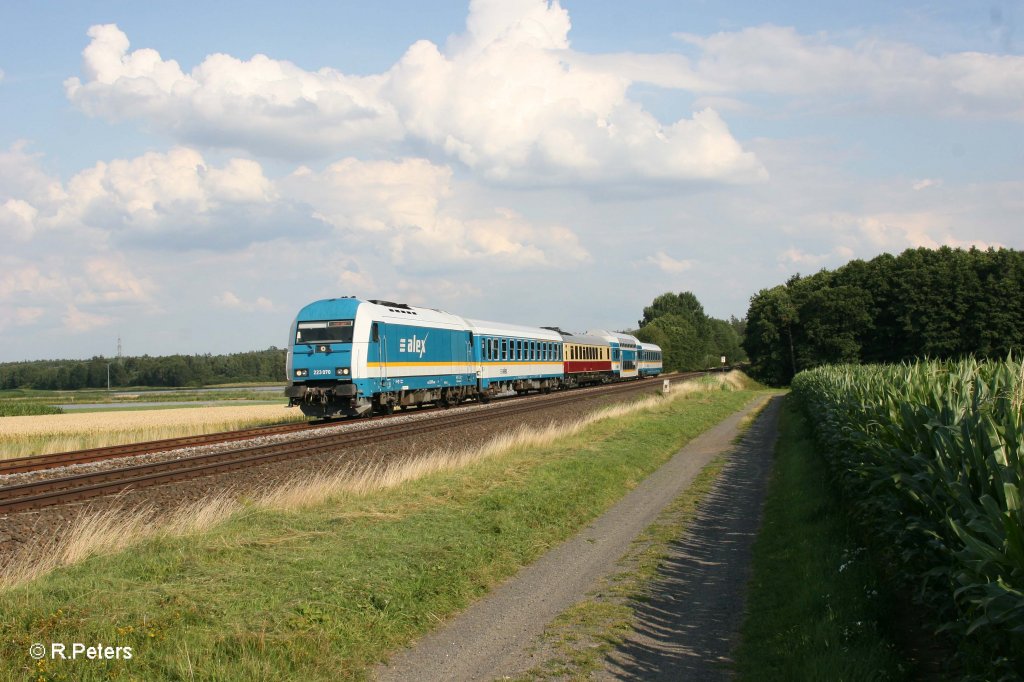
[(930, 458)]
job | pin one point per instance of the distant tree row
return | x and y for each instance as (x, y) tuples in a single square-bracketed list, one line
[(943, 303), (689, 339), (172, 370)]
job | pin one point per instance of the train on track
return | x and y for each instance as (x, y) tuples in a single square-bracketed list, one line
[(350, 357)]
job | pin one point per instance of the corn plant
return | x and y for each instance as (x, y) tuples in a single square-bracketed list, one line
[(931, 458)]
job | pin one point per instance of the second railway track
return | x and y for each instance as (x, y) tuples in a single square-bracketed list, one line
[(55, 491)]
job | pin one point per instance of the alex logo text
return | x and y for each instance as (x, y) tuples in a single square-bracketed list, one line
[(413, 345)]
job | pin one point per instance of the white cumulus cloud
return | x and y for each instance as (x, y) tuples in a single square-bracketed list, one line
[(228, 299), (508, 98), (409, 211), (883, 74), (668, 264)]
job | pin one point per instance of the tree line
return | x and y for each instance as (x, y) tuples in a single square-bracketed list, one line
[(688, 337), (172, 370), (936, 303)]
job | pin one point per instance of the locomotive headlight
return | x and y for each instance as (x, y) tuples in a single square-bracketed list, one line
[(343, 371), (302, 372)]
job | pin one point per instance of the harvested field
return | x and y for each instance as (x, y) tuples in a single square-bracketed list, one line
[(40, 434)]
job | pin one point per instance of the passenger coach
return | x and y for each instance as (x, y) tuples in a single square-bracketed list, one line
[(515, 358), (649, 362)]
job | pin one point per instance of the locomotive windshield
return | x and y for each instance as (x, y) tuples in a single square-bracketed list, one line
[(329, 331)]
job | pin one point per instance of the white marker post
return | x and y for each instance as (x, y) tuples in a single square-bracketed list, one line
[(665, 386)]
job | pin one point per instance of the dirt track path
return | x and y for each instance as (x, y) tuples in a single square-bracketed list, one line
[(490, 639), (691, 622)]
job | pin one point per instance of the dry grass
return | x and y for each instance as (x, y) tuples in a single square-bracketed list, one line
[(117, 528), (110, 530), (34, 435)]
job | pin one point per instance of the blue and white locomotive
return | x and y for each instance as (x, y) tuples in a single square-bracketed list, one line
[(349, 357)]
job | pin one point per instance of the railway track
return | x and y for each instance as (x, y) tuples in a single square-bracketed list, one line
[(54, 491)]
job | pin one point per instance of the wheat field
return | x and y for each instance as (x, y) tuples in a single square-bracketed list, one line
[(41, 434)]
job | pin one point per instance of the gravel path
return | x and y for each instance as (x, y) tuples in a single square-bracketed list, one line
[(491, 639), (691, 622)]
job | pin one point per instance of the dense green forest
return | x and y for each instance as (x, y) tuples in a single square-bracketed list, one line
[(936, 303), (172, 370), (689, 339)]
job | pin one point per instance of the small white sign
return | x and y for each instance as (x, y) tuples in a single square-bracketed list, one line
[(666, 386)]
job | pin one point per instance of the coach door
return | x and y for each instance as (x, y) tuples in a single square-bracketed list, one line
[(378, 337)]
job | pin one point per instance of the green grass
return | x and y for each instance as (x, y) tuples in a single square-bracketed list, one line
[(816, 608), (129, 395), (325, 592), (117, 407), (18, 408)]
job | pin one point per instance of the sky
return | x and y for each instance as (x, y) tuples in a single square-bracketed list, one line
[(185, 176)]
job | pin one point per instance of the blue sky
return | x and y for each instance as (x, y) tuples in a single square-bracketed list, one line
[(186, 175)]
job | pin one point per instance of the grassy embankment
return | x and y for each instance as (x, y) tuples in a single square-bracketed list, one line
[(321, 581), (816, 607), (33, 435)]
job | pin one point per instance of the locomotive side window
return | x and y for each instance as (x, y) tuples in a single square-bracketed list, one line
[(327, 331)]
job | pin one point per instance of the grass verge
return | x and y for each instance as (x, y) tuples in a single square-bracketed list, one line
[(326, 587), (816, 607)]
